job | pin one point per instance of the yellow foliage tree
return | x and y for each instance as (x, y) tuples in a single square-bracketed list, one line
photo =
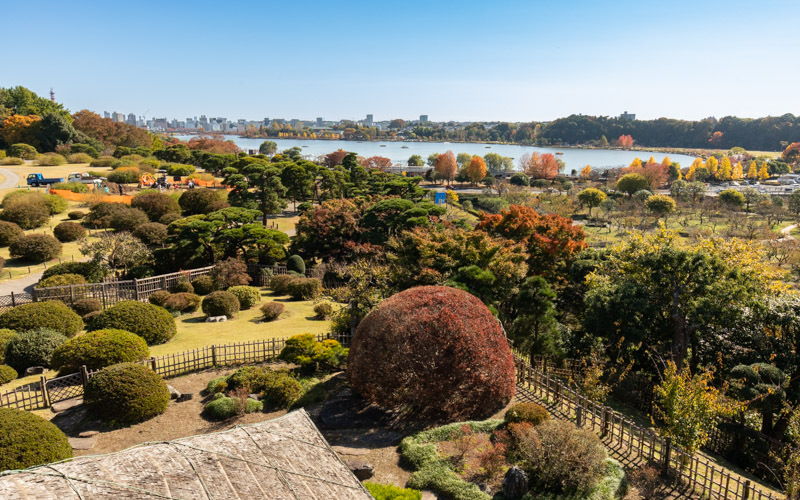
[(451, 197), (752, 171), (697, 163), (586, 172), (712, 164), (636, 163), (725, 170), (763, 173), (737, 172)]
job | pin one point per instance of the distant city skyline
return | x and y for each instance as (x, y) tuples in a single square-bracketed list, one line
[(517, 61)]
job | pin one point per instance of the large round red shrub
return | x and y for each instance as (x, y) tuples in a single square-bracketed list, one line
[(432, 352)]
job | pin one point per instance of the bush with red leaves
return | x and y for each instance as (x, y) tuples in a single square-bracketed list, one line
[(432, 353)]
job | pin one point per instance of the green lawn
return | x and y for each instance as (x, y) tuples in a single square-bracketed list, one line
[(194, 332)]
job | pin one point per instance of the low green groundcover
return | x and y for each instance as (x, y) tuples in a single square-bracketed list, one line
[(391, 492), (434, 472)]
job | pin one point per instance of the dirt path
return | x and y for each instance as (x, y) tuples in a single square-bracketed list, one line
[(10, 179), (786, 233)]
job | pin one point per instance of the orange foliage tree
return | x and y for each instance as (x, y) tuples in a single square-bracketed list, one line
[(335, 158), (213, 144), (655, 173), (21, 129), (625, 141), (792, 153), (476, 170), (550, 240), (446, 166), (379, 162), (109, 132), (538, 166)]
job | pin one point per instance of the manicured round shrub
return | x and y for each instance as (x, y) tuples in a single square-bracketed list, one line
[(6, 336), (323, 310), (128, 219), (531, 413), (104, 162), (272, 310), (50, 314), (199, 201), (89, 270), (159, 297), (89, 317), (7, 374), (61, 280), (169, 218), (220, 303), (98, 349), (76, 215), (125, 175), (396, 356), (180, 170), (155, 205), (69, 231), (230, 272), (79, 158), (150, 322), (126, 393), (22, 150), (33, 348), (182, 302), (101, 214), (280, 283), (50, 160), (9, 232), (28, 213), (203, 285), (27, 439), (151, 233), (305, 288), (281, 390), (295, 263), (182, 286), (312, 355), (85, 306), (248, 296), (224, 407), (35, 248)]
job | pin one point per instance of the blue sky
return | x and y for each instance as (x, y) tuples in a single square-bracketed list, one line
[(481, 60)]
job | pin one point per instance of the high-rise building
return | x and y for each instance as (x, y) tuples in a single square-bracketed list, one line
[(423, 118), (627, 116), (118, 117), (319, 121), (369, 120), (131, 119), (106, 114)]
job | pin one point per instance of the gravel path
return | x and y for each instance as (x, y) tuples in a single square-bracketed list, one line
[(21, 284), (11, 179)]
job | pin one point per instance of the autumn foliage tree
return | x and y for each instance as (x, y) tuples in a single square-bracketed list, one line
[(550, 240), (212, 144), (792, 153), (335, 158), (476, 170), (538, 166), (446, 166), (109, 132), (625, 141), (379, 162), (396, 358), (21, 129)]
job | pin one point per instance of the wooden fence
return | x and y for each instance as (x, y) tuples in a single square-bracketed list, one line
[(46, 392), (704, 476)]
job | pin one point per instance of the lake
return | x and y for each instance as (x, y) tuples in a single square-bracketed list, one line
[(399, 152)]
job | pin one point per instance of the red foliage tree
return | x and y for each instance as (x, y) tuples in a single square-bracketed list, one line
[(432, 353), (213, 144), (538, 166), (716, 137), (379, 162), (792, 153), (109, 132), (331, 231), (625, 141), (550, 240), (335, 158), (446, 166), (655, 173)]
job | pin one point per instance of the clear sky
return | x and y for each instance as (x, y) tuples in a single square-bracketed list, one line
[(453, 60)]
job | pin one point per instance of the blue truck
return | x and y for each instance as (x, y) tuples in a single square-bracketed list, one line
[(38, 179)]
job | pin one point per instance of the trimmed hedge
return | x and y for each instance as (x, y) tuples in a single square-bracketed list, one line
[(151, 233), (280, 283), (89, 270), (22, 150), (7, 374), (150, 322), (126, 393), (85, 306), (76, 215), (99, 349), (36, 248), (5, 337), (295, 263), (183, 302), (305, 288), (220, 303), (69, 231), (272, 310), (27, 440), (27, 214), (304, 350), (323, 310), (33, 348), (531, 413), (224, 407), (248, 296), (182, 286), (50, 314), (128, 219), (61, 280), (203, 285), (278, 389), (159, 297), (9, 232), (199, 201)]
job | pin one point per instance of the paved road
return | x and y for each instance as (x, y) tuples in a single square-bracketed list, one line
[(21, 284), (11, 179)]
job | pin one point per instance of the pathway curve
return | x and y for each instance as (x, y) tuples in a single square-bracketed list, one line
[(786, 233), (11, 179), (22, 284)]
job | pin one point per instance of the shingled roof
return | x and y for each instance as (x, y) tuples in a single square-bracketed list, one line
[(283, 458)]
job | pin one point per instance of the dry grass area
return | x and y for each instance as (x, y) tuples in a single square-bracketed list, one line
[(58, 171)]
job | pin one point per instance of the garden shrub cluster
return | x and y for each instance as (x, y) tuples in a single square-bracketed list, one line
[(531, 413), (223, 407), (22, 150), (277, 389), (32, 348), (76, 215), (203, 285), (230, 272), (199, 201), (154, 324), (151, 233), (182, 286), (69, 231), (50, 314), (427, 321), (159, 297), (391, 492), (280, 283), (27, 213), (61, 280), (248, 296), (182, 302), (5, 337), (313, 356), (272, 310), (89, 270), (9, 232), (155, 204), (98, 349), (27, 440), (7, 374), (305, 288), (126, 393), (220, 303), (50, 160), (323, 310), (83, 307), (35, 248), (295, 264)]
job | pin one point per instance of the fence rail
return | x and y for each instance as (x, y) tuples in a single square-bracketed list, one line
[(44, 393), (704, 476)]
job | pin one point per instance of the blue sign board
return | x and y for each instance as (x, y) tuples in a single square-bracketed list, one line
[(440, 199)]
